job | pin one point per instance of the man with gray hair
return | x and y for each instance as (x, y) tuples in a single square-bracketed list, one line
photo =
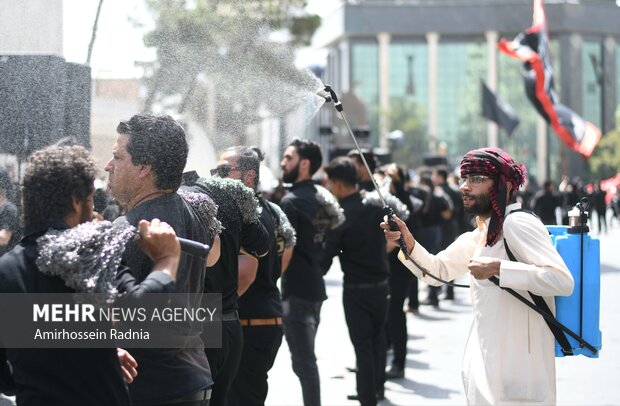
[(144, 174), (58, 189)]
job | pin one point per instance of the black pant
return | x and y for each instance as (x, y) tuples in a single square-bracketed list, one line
[(365, 311), (260, 347), (301, 321), (400, 278), (224, 361)]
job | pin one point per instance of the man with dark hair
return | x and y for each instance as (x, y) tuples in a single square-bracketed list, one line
[(453, 226), (545, 202), (509, 358), (58, 191), (260, 307), (312, 210), (363, 177), (144, 174), (360, 245)]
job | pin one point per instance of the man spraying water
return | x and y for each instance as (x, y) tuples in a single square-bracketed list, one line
[(509, 357)]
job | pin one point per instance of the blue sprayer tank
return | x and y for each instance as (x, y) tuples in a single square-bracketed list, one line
[(580, 311)]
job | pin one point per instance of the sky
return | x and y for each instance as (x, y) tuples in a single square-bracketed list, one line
[(122, 24)]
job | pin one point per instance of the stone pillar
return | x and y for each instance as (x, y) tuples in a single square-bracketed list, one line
[(609, 96), (542, 158), (432, 42), (492, 128), (383, 39), (571, 94)]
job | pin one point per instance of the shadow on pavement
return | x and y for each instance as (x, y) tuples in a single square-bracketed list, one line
[(425, 316), (424, 390), (605, 268), (333, 282), (411, 363)]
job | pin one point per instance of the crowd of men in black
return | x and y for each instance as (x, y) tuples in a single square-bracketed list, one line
[(250, 254)]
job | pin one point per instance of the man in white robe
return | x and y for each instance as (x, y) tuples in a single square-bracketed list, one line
[(509, 357)]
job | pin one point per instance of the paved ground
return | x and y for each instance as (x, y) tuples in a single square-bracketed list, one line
[(437, 340)]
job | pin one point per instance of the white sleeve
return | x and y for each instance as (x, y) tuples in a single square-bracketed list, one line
[(449, 264), (543, 271)]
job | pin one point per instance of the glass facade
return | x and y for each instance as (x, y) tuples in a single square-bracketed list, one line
[(591, 59), (409, 99), (461, 65), (365, 82)]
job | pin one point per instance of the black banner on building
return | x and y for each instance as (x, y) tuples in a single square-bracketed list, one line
[(498, 111)]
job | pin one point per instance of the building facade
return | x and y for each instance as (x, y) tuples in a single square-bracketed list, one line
[(417, 66)]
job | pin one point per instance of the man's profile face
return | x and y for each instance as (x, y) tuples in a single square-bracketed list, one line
[(227, 167), (476, 197), (122, 173), (290, 165)]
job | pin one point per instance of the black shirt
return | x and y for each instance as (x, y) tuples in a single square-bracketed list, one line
[(170, 373), (359, 243), (544, 205), (223, 277), (262, 299), (55, 376), (304, 276), (433, 207)]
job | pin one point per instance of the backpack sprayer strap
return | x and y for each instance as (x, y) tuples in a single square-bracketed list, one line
[(541, 307)]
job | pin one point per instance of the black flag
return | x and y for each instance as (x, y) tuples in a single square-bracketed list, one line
[(498, 111), (532, 47)]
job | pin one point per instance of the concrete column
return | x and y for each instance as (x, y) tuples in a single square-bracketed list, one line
[(610, 98), (432, 41), (344, 58), (541, 149), (492, 37), (383, 39), (571, 94)]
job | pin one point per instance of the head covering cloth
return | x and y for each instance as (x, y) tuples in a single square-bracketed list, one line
[(499, 166)]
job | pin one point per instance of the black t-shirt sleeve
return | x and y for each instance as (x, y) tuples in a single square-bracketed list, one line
[(331, 247), (443, 204), (289, 209), (155, 282), (254, 239)]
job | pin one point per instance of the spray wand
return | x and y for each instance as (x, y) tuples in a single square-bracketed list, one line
[(329, 95)]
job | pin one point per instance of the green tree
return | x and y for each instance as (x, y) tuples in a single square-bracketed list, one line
[(605, 161), (405, 115), (219, 59)]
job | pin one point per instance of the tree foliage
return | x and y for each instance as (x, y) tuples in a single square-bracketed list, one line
[(405, 116), (605, 161), (226, 48)]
